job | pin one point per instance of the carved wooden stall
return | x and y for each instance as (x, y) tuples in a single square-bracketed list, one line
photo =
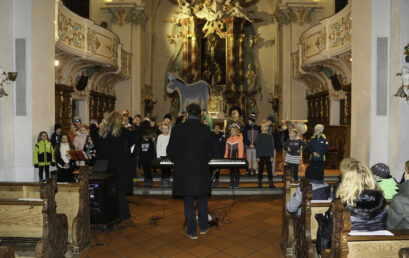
[(318, 108), (35, 221), (100, 103), (63, 114), (343, 245)]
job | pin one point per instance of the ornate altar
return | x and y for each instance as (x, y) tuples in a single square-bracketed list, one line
[(213, 42)]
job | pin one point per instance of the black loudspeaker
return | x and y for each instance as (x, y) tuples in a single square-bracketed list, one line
[(103, 200), (335, 82)]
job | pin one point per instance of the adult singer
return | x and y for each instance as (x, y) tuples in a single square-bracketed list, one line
[(190, 148)]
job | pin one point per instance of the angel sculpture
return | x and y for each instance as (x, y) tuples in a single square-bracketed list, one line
[(238, 11), (207, 13), (403, 91), (10, 76)]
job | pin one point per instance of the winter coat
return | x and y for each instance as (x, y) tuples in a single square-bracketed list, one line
[(43, 154), (219, 145), (234, 148), (320, 191), (239, 123), (369, 213), (389, 187), (265, 145), (277, 139), (79, 142), (117, 151), (318, 145), (60, 161), (250, 134), (398, 215), (190, 148)]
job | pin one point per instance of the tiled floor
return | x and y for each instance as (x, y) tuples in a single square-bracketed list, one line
[(250, 227)]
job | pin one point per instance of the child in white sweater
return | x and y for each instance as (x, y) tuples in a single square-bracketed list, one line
[(162, 143)]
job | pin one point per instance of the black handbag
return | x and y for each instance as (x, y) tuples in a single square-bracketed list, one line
[(324, 231)]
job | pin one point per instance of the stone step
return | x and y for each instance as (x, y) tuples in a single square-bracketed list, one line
[(221, 191), (244, 179)]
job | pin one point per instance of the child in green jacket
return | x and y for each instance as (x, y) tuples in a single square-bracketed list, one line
[(43, 155), (385, 181)]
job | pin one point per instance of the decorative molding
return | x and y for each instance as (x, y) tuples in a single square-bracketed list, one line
[(294, 12)]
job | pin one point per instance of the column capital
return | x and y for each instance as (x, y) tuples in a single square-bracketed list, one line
[(294, 12), (127, 12)]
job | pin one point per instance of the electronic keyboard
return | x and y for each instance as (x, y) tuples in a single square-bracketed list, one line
[(213, 163)]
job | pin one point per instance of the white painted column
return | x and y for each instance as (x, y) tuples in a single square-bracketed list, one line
[(6, 103), (19, 132), (399, 115)]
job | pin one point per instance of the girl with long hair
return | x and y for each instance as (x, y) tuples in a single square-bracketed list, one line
[(360, 192)]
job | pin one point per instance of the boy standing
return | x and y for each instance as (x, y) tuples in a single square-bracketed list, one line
[(265, 153), (219, 145)]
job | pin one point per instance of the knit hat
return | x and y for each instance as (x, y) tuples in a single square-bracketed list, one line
[(252, 117), (314, 172), (381, 170), (57, 126)]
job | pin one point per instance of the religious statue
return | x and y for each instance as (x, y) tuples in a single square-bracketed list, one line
[(403, 91), (238, 11), (217, 74), (207, 73), (251, 80)]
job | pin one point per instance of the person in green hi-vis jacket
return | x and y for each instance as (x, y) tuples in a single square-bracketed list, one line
[(43, 155)]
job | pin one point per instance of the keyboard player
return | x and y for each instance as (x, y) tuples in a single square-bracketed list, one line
[(190, 148)]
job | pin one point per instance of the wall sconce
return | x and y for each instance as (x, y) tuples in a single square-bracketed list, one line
[(6, 76), (403, 91)]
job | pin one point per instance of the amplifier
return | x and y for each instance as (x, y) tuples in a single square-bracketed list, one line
[(103, 200)]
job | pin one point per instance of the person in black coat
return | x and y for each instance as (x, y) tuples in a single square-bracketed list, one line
[(55, 137), (113, 143), (219, 147), (190, 148)]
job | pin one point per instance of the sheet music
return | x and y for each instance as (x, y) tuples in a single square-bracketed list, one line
[(370, 233), (132, 148)]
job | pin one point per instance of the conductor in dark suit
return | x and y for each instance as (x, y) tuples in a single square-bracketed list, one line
[(190, 148)]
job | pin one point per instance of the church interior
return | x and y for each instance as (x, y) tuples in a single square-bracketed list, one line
[(300, 71)]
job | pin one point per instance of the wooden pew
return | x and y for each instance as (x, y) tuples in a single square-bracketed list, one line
[(287, 243), (72, 200), (6, 252), (35, 220), (306, 224), (404, 253), (344, 245)]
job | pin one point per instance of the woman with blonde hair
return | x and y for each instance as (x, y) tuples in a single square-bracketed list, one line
[(360, 192), (113, 144)]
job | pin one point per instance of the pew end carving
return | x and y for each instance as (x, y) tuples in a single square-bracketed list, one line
[(287, 243), (344, 245)]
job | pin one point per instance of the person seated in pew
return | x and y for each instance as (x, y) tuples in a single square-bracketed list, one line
[(398, 215), (320, 191), (65, 166), (405, 175), (360, 192), (385, 181)]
